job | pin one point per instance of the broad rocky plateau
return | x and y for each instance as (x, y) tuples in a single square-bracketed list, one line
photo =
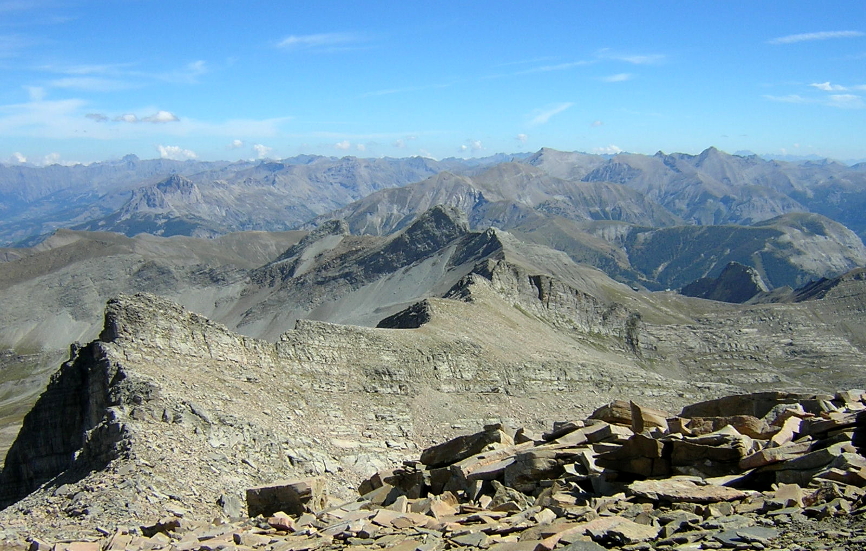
[(194, 369)]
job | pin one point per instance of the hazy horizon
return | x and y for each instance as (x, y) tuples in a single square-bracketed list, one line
[(91, 80)]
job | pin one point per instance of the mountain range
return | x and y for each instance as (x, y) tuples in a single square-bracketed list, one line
[(398, 295)]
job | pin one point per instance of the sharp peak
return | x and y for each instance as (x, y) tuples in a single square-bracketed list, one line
[(440, 215)]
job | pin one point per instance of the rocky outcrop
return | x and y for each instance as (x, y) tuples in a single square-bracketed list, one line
[(72, 427), (737, 283), (583, 486)]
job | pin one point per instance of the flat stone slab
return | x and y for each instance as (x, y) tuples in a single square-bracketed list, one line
[(683, 490)]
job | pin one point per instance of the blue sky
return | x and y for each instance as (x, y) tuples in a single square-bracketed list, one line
[(84, 81)]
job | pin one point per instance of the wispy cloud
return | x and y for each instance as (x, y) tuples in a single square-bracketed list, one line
[(187, 74), (634, 59), (808, 37), (542, 116), (557, 67), (91, 84), (790, 98), (159, 117), (846, 101), (840, 101), (121, 76), (389, 91), (321, 41), (525, 61), (12, 44), (827, 87), (522, 138), (620, 77)]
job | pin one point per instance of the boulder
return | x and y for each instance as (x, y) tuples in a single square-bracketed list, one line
[(683, 489), (293, 497), (457, 449)]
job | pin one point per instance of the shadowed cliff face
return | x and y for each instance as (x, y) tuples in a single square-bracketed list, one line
[(69, 417)]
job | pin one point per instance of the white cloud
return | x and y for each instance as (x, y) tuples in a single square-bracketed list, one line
[(322, 40), (54, 159), (472, 145), (160, 117), (522, 138), (17, 159), (608, 150), (236, 144), (846, 101), (827, 87), (175, 153), (361, 147), (541, 116), (399, 143), (807, 37), (596, 124), (262, 151), (156, 118), (343, 145), (75, 118), (620, 77)]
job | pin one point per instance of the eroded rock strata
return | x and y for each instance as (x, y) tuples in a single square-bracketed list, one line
[(170, 413)]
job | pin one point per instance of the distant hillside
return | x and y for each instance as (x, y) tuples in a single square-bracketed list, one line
[(131, 196)]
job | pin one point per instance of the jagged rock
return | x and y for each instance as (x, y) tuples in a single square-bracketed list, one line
[(292, 497), (644, 418), (736, 283), (640, 455), (757, 404), (617, 412), (462, 447), (619, 531), (769, 456), (745, 424), (531, 467)]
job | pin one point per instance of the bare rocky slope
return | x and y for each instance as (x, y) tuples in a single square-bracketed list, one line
[(615, 228), (168, 410)]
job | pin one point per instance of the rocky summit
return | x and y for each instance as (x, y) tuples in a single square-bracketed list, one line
[(771, 470)]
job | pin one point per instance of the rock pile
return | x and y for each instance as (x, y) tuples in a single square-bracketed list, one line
[(771, 470)]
